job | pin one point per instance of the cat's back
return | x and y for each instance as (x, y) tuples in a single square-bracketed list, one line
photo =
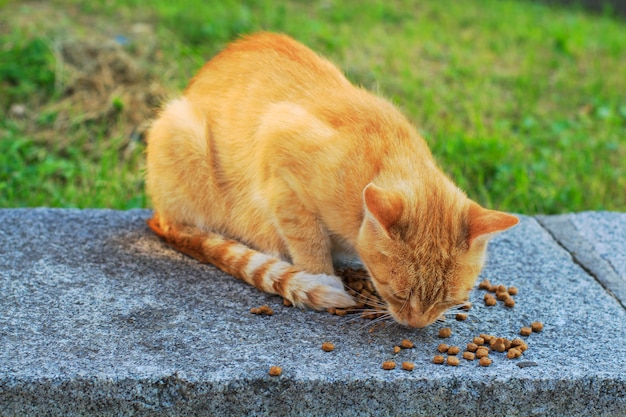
[(267, 67)]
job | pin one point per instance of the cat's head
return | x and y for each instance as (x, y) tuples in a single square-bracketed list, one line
[(424, 258)]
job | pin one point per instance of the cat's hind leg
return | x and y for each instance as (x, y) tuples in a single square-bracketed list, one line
[(265, 272)]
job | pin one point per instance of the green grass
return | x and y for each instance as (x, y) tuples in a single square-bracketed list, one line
[(523, 104)]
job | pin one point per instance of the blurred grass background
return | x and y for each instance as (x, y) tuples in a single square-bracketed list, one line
[(523, 103)]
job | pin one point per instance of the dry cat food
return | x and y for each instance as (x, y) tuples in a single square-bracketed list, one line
[(328, 347), (513, 353), (263, 310), (407, 344), (461, 317), (498, 345), (443, 348), (408, 366), (484, 361), (502, 293), (445, 332), (453, 361), (472, 347), (397, 349), (479, 340), (453, 350), (469, 356), (482, 352), (276, 370), (438, 359), (389, 365), (484, 285), (536, 326), (525, 331), (520, 344), (361, 288), (502, 296), (490, 301)]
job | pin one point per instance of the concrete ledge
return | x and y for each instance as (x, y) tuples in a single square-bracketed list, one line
[(597, 241), (100, 318)]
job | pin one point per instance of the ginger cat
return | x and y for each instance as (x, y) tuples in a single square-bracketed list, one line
[(272, 163)]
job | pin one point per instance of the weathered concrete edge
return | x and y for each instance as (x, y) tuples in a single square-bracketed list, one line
[(583, 253), (448, 397)]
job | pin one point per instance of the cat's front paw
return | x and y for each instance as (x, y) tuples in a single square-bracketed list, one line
[(319, 291)]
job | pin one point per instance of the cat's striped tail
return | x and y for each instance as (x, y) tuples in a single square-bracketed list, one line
[(265, 272)]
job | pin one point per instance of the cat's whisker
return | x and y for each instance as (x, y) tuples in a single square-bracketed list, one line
[(382, 319)]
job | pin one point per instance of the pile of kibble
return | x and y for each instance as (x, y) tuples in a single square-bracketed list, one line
[(359, 285), (480, 347), (371, 306)]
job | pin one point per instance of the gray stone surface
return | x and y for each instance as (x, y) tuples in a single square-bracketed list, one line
[(98, 317), (597, 241), (607, 234)]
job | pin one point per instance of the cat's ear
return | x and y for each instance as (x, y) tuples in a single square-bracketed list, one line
[(484, 223), (385, 206)]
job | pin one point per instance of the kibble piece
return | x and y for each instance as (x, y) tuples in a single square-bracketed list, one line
[(472, 347), (482, 352), (408, 366), (467, 306), (255, 310), (498, 345), (264, 309), (487, 337), (525, 331), (484, 284), (513, 353), (443, 348), (389, 365), (276, 370), (445, 332), (487, 296), (484, 361), (502, 296), (469, 356), (341, 312), (453, 350), (501, 288), (397, 349), (438, 359), (490, 302), (461, 317), (512, 290), (509, 302), (479, 340), (520, 344), (406, 344), (536, 326), (453, 360), (328, 347)]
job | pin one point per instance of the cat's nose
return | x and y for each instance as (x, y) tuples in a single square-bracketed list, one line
[(419, 322)]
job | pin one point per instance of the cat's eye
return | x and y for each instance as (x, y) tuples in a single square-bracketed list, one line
[(444, 305), (401, 296)]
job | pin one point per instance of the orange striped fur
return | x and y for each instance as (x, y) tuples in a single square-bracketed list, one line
[(272, 164), (265, 272)]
